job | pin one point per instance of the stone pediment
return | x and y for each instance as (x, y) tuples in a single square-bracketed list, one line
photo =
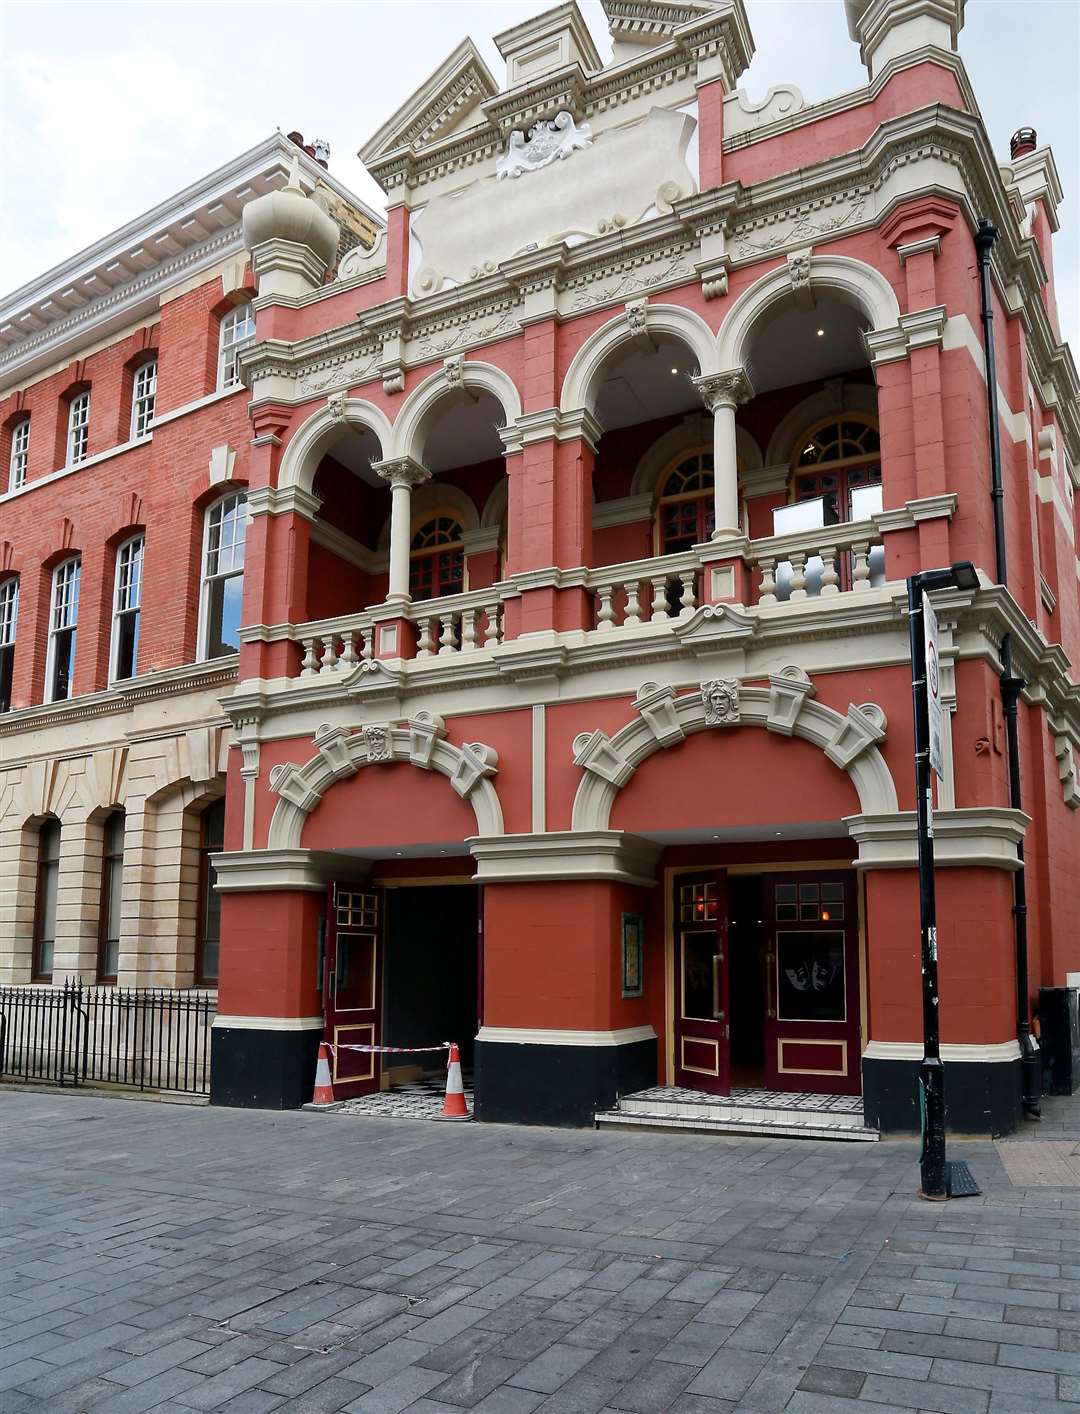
[(439, 107), (716, 626), (621, 177)]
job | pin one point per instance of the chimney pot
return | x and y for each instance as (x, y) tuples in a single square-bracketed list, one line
[(1023, 141)]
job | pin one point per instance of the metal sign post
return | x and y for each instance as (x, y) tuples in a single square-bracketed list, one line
[(931, 1073), (939, 1179)]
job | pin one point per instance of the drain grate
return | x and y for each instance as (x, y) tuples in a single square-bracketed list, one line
[(960, 1181)]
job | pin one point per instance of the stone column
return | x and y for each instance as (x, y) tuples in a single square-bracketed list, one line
[(402, 474), (722, 393)]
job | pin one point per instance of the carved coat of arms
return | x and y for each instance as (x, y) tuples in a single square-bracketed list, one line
[(547, 141)]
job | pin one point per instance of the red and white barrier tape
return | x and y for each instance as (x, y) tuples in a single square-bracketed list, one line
[(389, 1050)]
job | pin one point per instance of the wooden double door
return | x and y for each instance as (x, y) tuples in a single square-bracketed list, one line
[(799, 933)]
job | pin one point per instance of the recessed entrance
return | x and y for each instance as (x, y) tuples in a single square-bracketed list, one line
[(766, 982), (401, 968)]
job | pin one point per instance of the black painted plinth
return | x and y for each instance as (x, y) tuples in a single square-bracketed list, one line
[(558, 1085), (262, 1070), (981, 1097)]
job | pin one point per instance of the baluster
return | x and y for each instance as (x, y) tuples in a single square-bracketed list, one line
[(348, 659), (860, 573), (448, 642), (830, 580), (797, 559), (367, 639), (329, 657), (632, 617), (310, 665), (605, 616), (424, 644), (767, 587), (468, 630), (689, 599), (493, 627), (659, 599)]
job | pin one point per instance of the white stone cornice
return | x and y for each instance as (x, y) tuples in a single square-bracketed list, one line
[(564, 855), (930, 245), (281, 501), (551, 424), (984, 837), (923, 328)]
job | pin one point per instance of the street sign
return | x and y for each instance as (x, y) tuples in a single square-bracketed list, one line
[(933, 686)]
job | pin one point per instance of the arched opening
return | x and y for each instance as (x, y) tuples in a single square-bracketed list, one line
[(459, 443), (347, 570)]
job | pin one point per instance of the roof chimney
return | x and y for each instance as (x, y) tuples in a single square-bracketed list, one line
[(1023, 141)]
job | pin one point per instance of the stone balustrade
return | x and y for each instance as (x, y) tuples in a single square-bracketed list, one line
[(645, 591), (817, 563)]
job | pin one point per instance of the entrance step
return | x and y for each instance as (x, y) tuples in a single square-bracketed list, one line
[(744, 1111)]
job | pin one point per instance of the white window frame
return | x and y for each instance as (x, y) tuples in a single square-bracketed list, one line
[(78, 436), (143, 398), (70, 572), (241, 316), (122, 584), (20, 454), (9, 616), (206, 578)]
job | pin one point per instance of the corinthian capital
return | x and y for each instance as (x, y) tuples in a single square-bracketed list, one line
[(402, 471), (727, 389)]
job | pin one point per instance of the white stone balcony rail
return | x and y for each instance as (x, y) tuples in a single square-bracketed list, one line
[(645, 591), (812, 564), (458, 623)]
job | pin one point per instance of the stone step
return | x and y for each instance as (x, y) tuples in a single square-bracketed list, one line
[(716, 1117)]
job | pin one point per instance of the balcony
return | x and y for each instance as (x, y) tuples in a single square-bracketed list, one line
[(810, 564)]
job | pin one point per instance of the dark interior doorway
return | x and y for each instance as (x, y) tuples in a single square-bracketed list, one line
[(430, 972), (748, 993)]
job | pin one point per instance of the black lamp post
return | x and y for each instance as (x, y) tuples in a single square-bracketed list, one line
[(932, 1165)]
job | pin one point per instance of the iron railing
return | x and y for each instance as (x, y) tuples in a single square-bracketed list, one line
[(144, 1039)]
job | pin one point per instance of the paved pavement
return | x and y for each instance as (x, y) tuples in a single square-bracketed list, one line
[(169, 1258)]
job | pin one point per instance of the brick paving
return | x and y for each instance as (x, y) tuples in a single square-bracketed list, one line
[(166, 1258)]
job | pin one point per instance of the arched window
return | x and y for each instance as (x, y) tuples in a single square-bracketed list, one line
[(9, 620), (223, 576), (143, 398), (437, 564), (839, 460), (208, 924), (63, 625), (48, 877), (112, 874), (685, 510), (236, 332), (127, 608), (19, 455)]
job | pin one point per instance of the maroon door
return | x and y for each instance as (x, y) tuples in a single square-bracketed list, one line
[(702, 1032), (812, 1024), (352, 986)]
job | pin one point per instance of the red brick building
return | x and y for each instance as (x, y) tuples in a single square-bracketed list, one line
[(573, 710)]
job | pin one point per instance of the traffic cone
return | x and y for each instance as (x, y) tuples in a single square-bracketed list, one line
[(454, 1106), (323, 1098)]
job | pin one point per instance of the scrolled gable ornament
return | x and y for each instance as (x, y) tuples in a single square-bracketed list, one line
[(720, 698), (549, 140)]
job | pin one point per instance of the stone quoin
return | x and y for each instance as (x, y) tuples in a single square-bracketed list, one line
[(487, 623)]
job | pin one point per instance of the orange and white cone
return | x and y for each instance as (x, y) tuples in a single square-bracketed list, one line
[(323, 1098), (454, 1106)]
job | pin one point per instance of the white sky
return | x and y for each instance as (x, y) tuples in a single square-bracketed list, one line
[(109, 106)]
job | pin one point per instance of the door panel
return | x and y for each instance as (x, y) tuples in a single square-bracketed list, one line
[(352, 986), (702, 1051), (812, 1028)]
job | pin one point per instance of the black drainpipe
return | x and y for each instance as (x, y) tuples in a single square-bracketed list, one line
[(1011, 688)]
